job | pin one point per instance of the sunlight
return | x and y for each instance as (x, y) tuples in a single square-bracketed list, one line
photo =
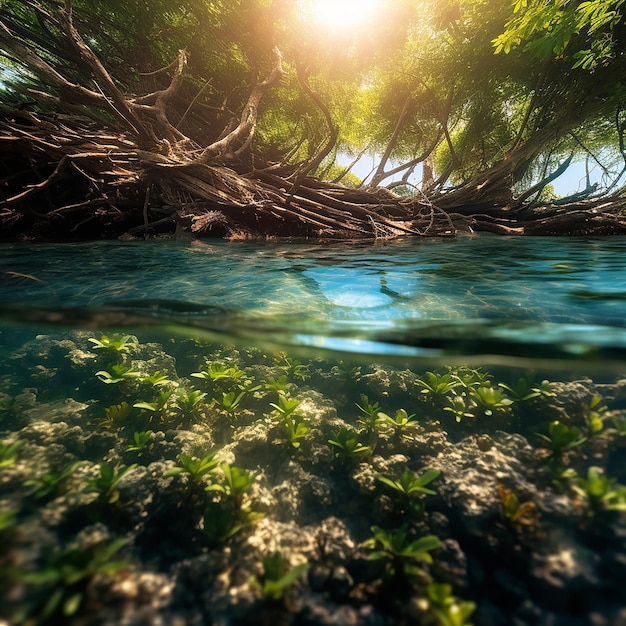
[(338, 16)]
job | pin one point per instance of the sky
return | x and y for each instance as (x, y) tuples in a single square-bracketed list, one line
[(572, 181)]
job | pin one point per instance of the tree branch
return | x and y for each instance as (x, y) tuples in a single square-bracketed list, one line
[(247, 124)]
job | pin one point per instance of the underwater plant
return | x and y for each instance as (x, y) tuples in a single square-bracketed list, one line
[(619, 426), (105, 485), (295, 431), (277, 577), (446, 608), (194, 467), (594, 414), (188, 400), (523, 389), (490, 400), (285, 408), (115, 414), (155, 380), (345, 372), (411, 488), (116, 373), (64, 577), (460, 406), (52, 481), (561, 473), (470, 378), (400, 554), (221, 521), (516, 512), (348, 445), (293, 368), (601, 492), (371, 414), (8, 452), (120, 344), (401, 421), (238, 482), (223, 374), (561, 437), (228, 516), (230, 402), (158, 405), (143, 443), (437, 386), (273, 384)]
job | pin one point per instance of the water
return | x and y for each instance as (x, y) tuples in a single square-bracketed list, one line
[(447, 359), (552, 299)]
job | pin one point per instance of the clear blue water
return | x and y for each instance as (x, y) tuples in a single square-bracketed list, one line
[(536, 298), (545, 317)]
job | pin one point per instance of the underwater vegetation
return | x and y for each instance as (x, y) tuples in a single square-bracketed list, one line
[(147, 482)]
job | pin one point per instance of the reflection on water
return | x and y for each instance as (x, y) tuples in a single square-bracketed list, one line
[(465, 296)]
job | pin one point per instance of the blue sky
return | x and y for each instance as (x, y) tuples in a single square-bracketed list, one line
[(572, 181)]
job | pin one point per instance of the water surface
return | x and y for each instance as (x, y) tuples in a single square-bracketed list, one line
[(545, 298)]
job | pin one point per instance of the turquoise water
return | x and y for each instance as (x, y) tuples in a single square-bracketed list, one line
[(323, 378), (545, 298)]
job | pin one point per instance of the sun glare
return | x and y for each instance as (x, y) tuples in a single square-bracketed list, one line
[(341, 15)]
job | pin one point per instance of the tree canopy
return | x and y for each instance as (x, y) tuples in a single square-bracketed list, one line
[(224, 106)]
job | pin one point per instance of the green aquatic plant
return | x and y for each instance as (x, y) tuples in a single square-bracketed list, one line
[(217, 372), (8, 452), (400, 554), (411, 488), (143, 442), (490, 400), (345, 372), (295, 431), (601, 492), (115, 414), (52, 482), (116, 373), (106, 484), (447, 609), (230, 402), (401, 420), (285, 408), (461, 406), (120, 344), (348, 445), (221, 521), (594, 415), (437, 386), (64, 577), (155, 380), (371, 419), (195, 468), (188, 400), (561, 437), (619, 426), (471, 378), (273, 384), (158, 405), (516, 512), (523, 389), (277, 577), (561, 473), (293, 368), (238, 481)]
